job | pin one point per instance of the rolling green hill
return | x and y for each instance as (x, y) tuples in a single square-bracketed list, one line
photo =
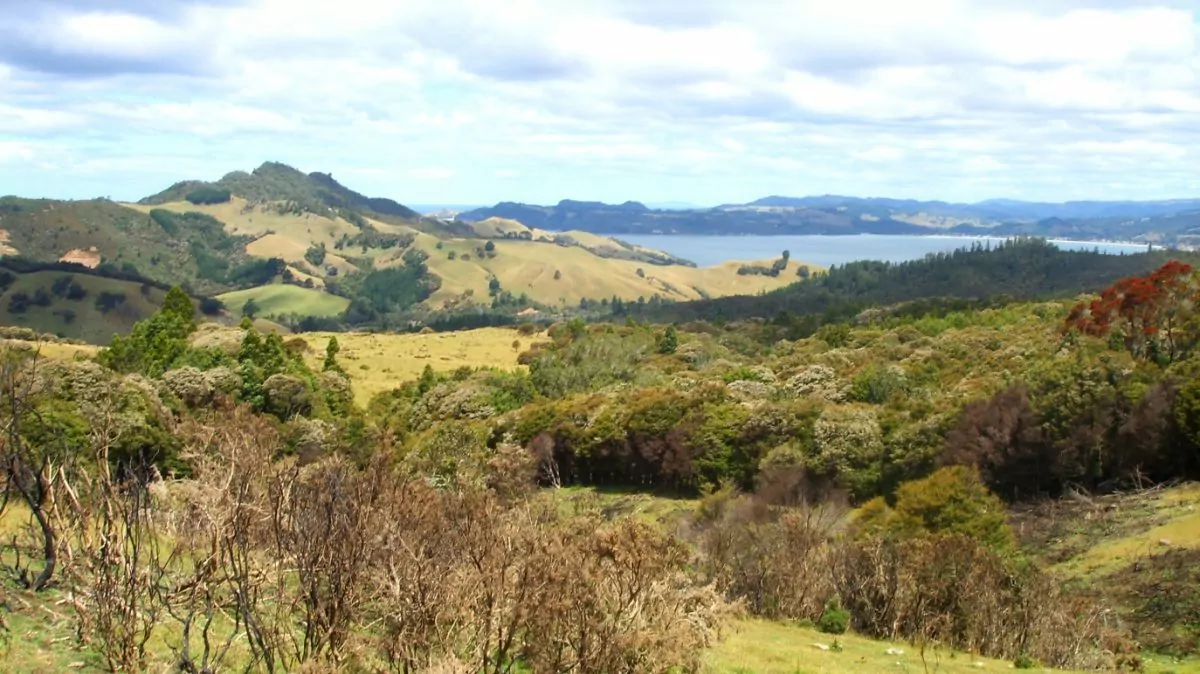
[(77, 306), (281, 299)]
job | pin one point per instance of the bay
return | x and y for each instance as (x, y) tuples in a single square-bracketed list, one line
[(826, 251)]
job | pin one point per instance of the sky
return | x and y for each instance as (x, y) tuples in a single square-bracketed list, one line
[(698, 101)]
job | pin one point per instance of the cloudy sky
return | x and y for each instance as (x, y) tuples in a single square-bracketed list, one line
[(701, 101)]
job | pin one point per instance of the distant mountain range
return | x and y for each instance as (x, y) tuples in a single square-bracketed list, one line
[(1175, 222)]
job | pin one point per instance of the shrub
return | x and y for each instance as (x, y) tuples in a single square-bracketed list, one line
[(877, 384), (835, 335), (211, 306), (18, 303), (953, 500), (106, 301), (835, 619), (1025, 661), (287, 396), (60, 286), (209, 195), (250, 308)]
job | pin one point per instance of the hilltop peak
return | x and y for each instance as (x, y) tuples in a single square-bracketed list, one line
[(275, 181)]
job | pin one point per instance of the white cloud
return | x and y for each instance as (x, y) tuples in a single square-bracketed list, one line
[(431, 173), (879, 154), (703, 101), (203, 118), (32, 120), (16, 152)]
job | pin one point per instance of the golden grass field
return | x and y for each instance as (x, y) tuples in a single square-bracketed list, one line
[(379, 362)]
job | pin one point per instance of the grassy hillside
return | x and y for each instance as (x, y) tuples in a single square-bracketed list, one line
[(256, 220), (103, 232), (378, 362), (530, 267), (1139, 550), (762, 647), (91, 317), (588, 266), (279, 299)]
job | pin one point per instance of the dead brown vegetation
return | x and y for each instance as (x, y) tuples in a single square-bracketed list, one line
[(790, 549), (268, 564)]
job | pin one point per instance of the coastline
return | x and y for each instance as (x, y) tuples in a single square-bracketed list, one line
[(975, 237)]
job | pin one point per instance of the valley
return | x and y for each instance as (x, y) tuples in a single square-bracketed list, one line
[(613, 337), (975, 458)]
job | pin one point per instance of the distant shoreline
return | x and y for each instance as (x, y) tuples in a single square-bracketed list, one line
[(993, 237)]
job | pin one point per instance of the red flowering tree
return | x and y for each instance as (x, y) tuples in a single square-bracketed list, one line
[(1153, 315)]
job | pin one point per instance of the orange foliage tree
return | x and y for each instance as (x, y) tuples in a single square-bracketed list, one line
[(1152, 315)]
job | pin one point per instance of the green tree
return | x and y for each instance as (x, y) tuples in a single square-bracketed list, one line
[(669, 342), (427, 381), (331, 352), (315, 254), (250, 308), (178, 305), (155, 343)]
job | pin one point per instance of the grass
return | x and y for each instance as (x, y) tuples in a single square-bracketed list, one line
[(380, 362), (278, 299), (1088, 538), (306, 228), (665, 510), (762, 647), (89, 323)]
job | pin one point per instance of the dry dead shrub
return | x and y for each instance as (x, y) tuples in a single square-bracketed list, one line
[(329, 566), (465, 577), (620, 601), (953, 591), (220, 521), (772, 549), (113, 558)]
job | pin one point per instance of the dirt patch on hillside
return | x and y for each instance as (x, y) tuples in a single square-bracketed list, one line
[(89, 258), (6, 247)]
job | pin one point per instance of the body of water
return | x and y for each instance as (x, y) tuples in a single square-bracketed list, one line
[(830, 250)]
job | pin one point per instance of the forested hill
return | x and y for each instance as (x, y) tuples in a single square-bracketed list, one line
[(275, 182), (1160, 222), (1022, 269)]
